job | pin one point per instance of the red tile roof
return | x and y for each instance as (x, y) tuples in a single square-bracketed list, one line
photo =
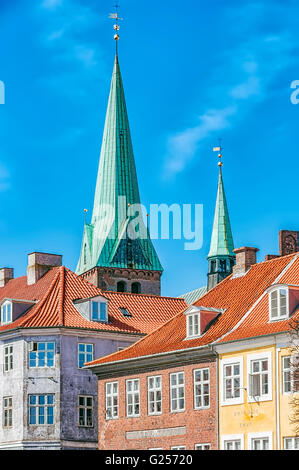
[(235, 295), (59, 287)]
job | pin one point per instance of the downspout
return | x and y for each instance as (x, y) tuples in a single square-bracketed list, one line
[(277, 399), (217, 398)]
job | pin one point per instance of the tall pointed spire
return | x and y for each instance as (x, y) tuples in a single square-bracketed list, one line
[(221, 256), (106, 243)]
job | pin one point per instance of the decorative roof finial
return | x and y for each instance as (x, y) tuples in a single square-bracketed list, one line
[(116, 26), (219, 149), (85, 211)]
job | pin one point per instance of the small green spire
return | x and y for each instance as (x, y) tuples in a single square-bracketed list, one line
[(105, 241), (222, 239)]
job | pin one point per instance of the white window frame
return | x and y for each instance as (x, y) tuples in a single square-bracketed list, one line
[(293, 440), (135, 402), (178, 448), (35, 406), (4, 313), (85, 353), (286, 370), (112, 395), (8, 359), (258, 357), (260, 435), (232, 438), (45, 351), (202, 383), (177, 387), (85, 408), (279, 316), (155, 391), (226, 362), (7, 412), (193, 324), (201, 446)]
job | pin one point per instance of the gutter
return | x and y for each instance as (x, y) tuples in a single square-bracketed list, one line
[(151, 362)]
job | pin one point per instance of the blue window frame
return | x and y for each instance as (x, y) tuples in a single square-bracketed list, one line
[(85, 354), (43, 355), (41, 410), (99, 311)]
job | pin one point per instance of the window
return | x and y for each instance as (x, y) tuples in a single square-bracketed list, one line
[(260, 441), (85, 411), (41, 410), (177, 392), (231, 377), (279, 304), (154, 395), (7, 412), (178, 448), (6, 313), (85, 354), (8, 358), (133, 398), (42, 355), (112, 400), (125, 312), (259, 380), (99, 311), (193, 325), (202, 447), (121, 286), (232, 445), (232, 442), (223, 266), (291, 443), (136, 288), (201, 388), (286, 375), (232, 389)]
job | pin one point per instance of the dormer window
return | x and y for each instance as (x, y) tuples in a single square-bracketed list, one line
[(199, 319), (99, 311), (193, 328), (6, 313), (279, 308)]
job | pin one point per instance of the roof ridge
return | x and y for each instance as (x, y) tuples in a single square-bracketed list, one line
[(61, 297), (142, 295), (142, 339), (42, 302)]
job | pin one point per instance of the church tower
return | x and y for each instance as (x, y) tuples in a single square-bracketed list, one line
[(117, 253), (221, 257)]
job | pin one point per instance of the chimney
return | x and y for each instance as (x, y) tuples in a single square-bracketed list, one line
[(245, 258), (39, 264), (6, 274), (288, 242)]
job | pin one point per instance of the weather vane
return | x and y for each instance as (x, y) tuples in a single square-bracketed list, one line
[(116, 26), (219, 149)]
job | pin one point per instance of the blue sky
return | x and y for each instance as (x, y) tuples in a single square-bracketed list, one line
[(192, 72)]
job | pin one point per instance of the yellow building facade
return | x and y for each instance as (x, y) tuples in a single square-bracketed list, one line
[(255, 393)]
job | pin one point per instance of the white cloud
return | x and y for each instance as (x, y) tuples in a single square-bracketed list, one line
[(250, 67), (182, 146)]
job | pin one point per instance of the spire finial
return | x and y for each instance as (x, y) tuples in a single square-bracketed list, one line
[(116, 26), (85, 212), (219, 149)]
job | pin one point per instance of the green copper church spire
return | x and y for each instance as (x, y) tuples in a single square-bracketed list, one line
[(107, 240), (221, 256)]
